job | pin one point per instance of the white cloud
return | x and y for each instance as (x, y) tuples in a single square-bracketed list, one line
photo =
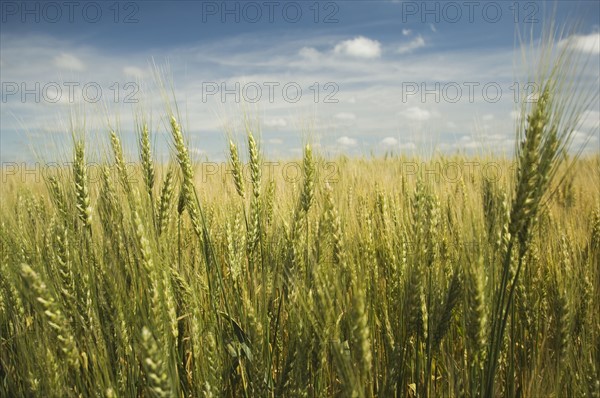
[(584, 43), (345, 116), (432, 27), (406, 32), (392, 142), (416, 113), (275, 122), (275, 141), (467, 142), (487, 117), (590, 120), (135, 72), (585, 141), (408, 145), (359, 47), (309, 52), (495, 137), (412, 45), (69, 62), (197, 151), (346, 141), (389, 141)]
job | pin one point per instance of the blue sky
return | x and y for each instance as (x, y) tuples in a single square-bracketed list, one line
[(374, 76)]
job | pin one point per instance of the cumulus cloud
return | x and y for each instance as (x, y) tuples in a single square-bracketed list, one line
[(345, 116), (589, 141), (197, 151), (69, 62), (412, 45), (134, 71), (309, 53), (590, 119), (406, 32), (583, 43), (359, 47), (416, 113), (394, 143), (466, 142), (389, 142), (275, 122), (346, 141)]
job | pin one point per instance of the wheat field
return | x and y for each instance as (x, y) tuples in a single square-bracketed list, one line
[(393, 276)]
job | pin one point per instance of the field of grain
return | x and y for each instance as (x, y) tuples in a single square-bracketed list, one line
[(453, 276)]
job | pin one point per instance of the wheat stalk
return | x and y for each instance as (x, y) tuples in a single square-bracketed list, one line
[(165, 203), (146, 159), (81, 186), (236, 165)]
